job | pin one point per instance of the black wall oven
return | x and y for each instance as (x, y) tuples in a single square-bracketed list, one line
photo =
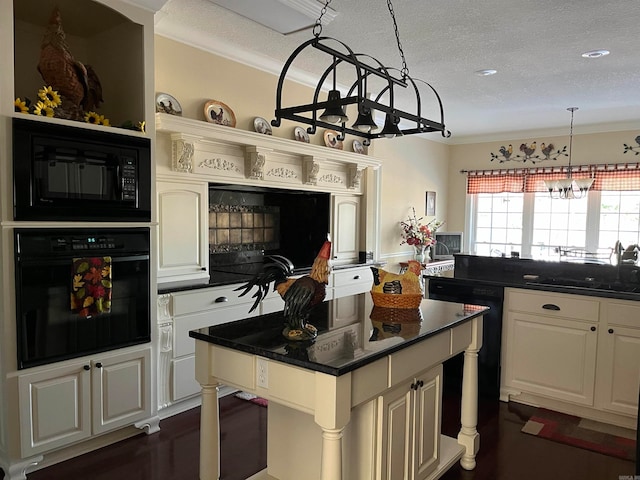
[(80, 291), (68, 173)]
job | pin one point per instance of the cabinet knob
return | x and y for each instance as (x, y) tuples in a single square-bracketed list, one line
[(356, 277), (99, 365), (87, 367), (414, 386), (204, 269), (610, 330), (593, 329), (222, 299), (420, 383), (551, 306)]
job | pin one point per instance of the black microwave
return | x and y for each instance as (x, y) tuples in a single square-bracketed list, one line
[(62, 172)]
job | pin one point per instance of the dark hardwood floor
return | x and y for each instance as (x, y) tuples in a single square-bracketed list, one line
[(172, 454)]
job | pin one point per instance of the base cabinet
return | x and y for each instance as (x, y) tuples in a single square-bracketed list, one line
[(69, 403), (409, 428), (551, 356), (619, 361), (572, 352)]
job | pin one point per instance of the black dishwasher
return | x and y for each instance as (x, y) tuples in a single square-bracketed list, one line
[(474, 292)]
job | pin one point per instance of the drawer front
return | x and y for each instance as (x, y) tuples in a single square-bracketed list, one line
[(421, 356), (183, 344), (352, 276), (622, 313), (208, 299), (554, 304)]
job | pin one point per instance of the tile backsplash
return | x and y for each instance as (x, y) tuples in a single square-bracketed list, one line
[(234, 228)]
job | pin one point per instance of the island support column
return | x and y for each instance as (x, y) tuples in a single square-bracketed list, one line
[(209, 416), (332, 414), (469, 436)]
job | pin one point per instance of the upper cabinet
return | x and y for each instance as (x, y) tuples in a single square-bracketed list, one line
[(97, 54)]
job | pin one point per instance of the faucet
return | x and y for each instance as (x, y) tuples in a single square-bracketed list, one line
[(618, 249)]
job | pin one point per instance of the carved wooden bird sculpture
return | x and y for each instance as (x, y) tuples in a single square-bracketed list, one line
[(300, 294), (77, 84)]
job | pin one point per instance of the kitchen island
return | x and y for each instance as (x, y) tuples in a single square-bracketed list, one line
[(368, 389)]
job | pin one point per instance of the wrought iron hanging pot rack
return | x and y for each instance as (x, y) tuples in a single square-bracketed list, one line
[(364, 67)]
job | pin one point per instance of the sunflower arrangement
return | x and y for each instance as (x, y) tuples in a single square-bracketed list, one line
[(49, 99), (96, 119)]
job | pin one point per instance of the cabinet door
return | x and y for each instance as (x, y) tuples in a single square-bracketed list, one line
[(550, 356), (395, 413), (54, 408), (346, 228), (183, 231), (121, 390), (619, 375), (428, 408)]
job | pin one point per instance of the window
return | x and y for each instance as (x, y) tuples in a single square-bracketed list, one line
[(510, 212)]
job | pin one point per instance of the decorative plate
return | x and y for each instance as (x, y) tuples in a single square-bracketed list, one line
[(260, 125), (219, 113), (165, 103), (301, 135), (331, 139), (357, 146)]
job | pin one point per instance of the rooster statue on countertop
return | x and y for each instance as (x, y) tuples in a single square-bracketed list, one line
[(77, 84), (300, 294)]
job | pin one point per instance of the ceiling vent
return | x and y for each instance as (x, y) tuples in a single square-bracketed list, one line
[(283, 16)]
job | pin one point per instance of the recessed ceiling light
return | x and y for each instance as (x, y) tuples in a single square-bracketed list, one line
[(595, 53), (486, 72)]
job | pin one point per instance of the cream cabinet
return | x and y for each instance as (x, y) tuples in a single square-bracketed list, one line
[(346, 228), (574, 353), (619, 357), (183, 245), (409, 428), (185, 311), (71, 402)]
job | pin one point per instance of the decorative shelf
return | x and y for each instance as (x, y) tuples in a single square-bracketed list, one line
[(229, 154)]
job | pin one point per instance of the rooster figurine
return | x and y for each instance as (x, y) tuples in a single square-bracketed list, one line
[(78, 85), (300, 295)]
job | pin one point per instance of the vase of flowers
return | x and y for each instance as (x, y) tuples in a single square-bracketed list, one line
[(418, 235)]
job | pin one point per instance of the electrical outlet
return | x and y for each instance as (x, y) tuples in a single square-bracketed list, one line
[(262, 373)]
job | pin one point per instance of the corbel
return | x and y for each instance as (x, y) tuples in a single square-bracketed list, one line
[(255, 159), (182, 152), (355, 175), (310, 170)]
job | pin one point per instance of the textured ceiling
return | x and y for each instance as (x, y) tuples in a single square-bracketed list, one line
[(535, 45)]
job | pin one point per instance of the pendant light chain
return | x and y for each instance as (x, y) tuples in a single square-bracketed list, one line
[(571, 109), (405, 69), (317, 28)]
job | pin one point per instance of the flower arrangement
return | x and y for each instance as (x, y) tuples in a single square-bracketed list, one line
[(49, 100), (416, 234)]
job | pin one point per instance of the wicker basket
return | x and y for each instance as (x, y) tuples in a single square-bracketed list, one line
[(404, 300)]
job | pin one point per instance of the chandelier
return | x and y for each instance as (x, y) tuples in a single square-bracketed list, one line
[(568, 188), (372, 87)]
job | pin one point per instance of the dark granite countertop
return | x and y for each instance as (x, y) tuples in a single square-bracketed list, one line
[(580, 279), (341, 349)]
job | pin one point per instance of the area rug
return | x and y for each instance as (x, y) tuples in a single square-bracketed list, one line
[(263, 402), (590, 435)]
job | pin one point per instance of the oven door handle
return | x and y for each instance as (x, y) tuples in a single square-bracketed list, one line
[(68, 260)]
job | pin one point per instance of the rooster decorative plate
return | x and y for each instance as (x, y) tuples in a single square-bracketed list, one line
[(301, 135), (331, 139), (357, 146), (219, 113), (260, 125), (165, 103)]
